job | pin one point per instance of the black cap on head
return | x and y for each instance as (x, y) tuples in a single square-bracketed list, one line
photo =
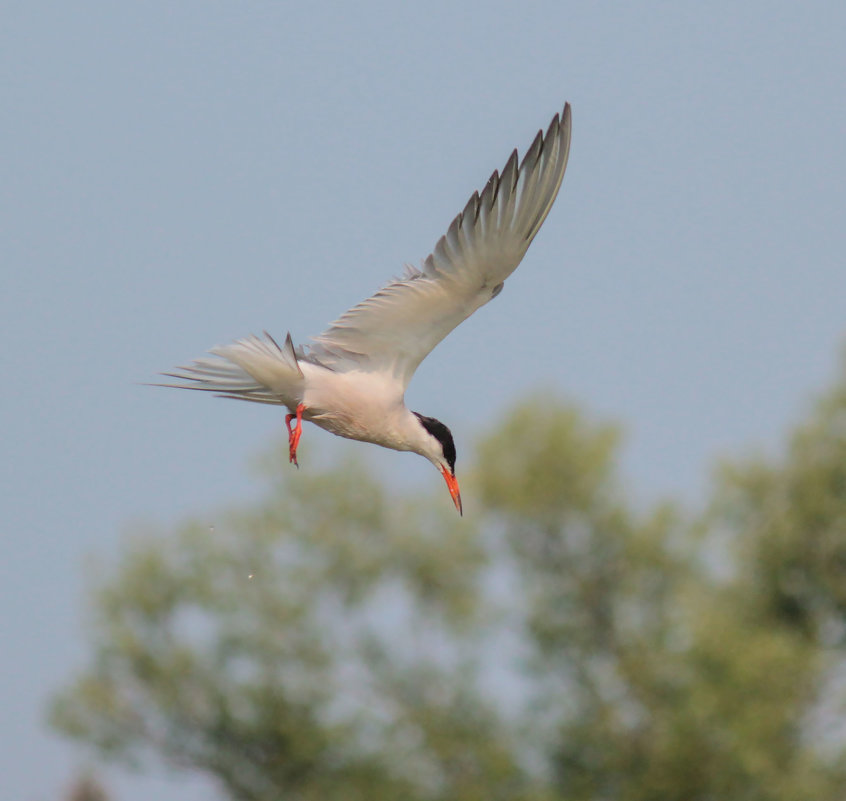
[(442, 434)]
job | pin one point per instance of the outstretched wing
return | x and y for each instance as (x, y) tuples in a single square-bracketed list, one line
[(395, 329)]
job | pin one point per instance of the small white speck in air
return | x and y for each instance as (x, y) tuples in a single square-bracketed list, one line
[(250, 576)]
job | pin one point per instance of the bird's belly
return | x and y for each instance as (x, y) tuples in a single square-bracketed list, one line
[(339, 423), (354, 427), (351, 405)]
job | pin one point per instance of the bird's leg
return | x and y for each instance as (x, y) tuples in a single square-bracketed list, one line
[(294, 435)]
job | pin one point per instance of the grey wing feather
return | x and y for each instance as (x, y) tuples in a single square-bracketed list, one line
[(395, 329)]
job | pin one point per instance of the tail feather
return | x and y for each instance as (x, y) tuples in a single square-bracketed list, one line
[(254, 369)]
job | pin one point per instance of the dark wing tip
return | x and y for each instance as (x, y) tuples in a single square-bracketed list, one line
[(566, 121), (533, 152)]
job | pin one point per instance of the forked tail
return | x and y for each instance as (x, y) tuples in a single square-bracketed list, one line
[(254, 369)]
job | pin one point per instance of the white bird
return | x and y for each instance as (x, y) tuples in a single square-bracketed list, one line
[(351, 380)]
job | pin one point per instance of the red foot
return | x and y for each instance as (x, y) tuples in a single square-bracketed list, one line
[(294, 435)]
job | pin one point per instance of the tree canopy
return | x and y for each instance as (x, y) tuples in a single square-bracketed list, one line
[(335, 641)]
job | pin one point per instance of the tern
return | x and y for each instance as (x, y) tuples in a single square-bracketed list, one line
[(351, 379)]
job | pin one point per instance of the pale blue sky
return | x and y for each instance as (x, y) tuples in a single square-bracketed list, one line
[(178, 174)]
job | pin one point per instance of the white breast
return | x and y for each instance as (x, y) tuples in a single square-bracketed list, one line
[(356, 405)]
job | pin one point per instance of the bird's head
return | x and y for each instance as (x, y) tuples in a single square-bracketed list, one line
[(438, 447)]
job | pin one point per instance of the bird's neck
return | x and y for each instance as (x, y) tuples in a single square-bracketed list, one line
[(406, 432)]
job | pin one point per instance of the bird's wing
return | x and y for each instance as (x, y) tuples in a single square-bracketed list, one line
[(395, 329)]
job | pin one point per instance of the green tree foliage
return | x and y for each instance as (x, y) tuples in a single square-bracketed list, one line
[(86, 788), (560, 642)]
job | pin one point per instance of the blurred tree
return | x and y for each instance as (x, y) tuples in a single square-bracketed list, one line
[(791, 514), (87, 788), (660, 679), (558, 643)]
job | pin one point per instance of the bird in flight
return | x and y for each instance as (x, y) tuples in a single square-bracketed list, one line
[(351, 379)]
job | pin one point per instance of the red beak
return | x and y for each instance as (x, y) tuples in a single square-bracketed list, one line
[(452, 485)]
